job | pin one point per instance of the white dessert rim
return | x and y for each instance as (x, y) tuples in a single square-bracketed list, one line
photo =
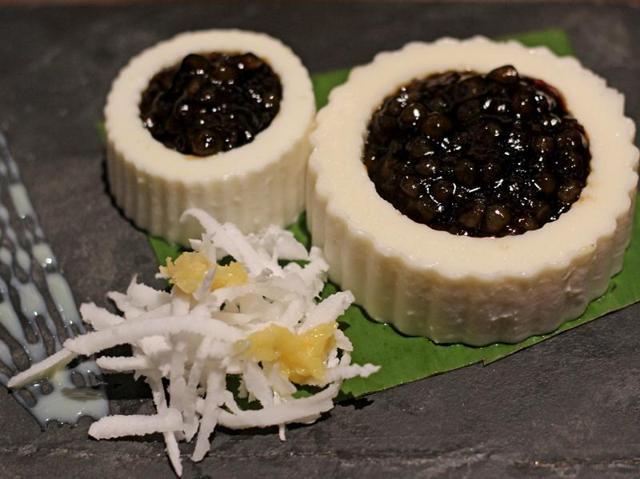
[(122, 112), (459, 256)]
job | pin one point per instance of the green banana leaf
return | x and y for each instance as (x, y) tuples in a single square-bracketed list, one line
[(404, 359)]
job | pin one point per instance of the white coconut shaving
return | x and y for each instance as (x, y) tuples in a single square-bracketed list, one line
[(196, 341)]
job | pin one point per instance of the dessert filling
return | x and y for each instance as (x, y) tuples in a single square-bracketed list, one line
[(477, 155), (211, 102)]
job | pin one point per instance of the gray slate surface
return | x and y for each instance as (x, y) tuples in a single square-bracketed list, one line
[(569, 407)]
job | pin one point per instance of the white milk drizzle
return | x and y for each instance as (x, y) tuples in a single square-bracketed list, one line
[(37, 310)]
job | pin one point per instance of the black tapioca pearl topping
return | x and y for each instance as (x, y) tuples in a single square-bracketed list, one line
[(571, 162), (541, 211), (411, 186), (204, 142), (546, 182), (571, 139), (505, 75), (385, 127), (412, 115), (491, 171), (211, 102), (470, 219), (428, 167), (249, 61), (420, 148), (194, 64), (438, 104), (523, 102), (496, 218), (465, 172), (478, 155), (423, 210), (543, 144), (526, 223), (436, 125), (470, 87), (443, 190), (569, 192)]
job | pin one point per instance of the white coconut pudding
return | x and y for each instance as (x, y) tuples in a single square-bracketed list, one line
[(217, 120), (472, 191)]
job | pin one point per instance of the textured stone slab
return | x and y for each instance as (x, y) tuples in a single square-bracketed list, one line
[(568, 407)]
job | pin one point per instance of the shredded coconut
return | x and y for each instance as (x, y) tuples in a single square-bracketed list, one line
[(198, 336)]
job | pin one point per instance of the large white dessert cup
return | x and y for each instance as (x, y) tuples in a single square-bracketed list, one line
[(465, 289)]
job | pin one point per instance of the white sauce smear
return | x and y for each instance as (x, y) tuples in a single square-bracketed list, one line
[(37, 310)]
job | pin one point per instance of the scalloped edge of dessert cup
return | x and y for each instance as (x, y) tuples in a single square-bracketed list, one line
[(462, 289), (253, 186)]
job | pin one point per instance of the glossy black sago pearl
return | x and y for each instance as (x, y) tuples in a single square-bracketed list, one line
[(477, 155), (211, 102)]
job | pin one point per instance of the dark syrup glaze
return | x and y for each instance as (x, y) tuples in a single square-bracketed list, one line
[(477, 155), (211, 102)]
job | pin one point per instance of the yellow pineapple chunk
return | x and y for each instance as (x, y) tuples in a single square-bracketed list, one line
[(232, 274), (301, 357), (188, 271)]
